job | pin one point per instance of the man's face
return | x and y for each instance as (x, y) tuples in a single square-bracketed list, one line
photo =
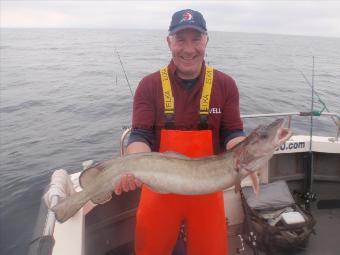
[(188, 49)]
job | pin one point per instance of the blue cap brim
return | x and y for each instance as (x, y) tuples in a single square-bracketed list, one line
[(179, 28)]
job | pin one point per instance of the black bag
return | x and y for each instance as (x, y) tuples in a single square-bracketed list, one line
[(272, 234)]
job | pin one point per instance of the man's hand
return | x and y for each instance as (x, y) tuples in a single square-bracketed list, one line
[(128, 182)]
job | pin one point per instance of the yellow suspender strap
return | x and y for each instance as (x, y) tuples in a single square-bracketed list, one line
[(169, 102), (206, 92)]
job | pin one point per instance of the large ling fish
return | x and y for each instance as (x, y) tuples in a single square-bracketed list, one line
[(175, 173)]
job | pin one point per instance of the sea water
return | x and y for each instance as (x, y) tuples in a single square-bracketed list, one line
[(65, 99)]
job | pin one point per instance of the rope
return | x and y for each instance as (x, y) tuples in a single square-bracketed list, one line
[(61, 186)]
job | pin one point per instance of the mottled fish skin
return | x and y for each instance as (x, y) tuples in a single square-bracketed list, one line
[(174, 173)]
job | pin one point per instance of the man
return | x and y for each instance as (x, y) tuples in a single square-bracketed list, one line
[(192, 109)]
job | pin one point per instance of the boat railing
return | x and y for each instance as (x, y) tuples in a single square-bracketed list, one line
[(50, 219), (43, 238), (334, 116)]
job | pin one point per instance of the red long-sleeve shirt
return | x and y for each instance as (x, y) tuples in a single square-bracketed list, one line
[(224, 114)]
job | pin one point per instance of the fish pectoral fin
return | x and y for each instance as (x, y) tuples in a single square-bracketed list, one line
[(102, 198), (255, 182)]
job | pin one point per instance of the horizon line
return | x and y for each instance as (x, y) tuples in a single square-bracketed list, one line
[(158, 29)]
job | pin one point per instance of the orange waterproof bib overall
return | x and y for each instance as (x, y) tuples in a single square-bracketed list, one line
[(159, 216)]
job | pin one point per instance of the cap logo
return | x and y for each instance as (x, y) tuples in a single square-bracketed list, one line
[(187, 16)]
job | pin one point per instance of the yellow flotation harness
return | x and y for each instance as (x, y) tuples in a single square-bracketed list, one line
[(169, 102)]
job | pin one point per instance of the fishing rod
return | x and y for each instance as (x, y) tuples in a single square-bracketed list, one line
[(309, 196), (121, 64), (336, 119)]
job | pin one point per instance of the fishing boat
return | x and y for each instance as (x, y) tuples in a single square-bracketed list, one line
[(310, 165)]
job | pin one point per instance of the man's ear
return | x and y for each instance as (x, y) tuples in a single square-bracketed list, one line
[(168, 40)]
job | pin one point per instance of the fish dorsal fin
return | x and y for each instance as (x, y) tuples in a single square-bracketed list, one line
[(175, 154), (89, 174)]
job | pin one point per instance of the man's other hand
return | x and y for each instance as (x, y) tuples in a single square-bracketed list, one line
[(129, 182)]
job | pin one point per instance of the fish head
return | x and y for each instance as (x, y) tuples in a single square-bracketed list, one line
[(259, 146)]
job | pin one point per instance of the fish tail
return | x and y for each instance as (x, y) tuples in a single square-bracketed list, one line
[(69, 206)]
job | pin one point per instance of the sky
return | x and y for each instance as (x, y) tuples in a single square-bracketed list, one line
[(313, 18)]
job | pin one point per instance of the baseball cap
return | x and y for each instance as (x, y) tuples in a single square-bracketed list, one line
[(187, 19)]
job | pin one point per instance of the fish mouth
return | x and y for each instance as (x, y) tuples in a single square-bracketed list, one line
[(282, 135)]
